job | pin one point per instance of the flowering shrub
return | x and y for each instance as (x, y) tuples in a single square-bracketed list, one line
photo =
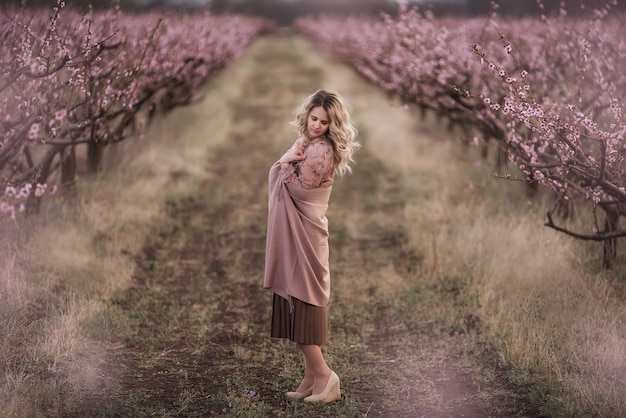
[(96, 78), (550, 90)]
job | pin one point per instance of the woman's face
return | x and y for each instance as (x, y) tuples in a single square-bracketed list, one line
[(317, 122)]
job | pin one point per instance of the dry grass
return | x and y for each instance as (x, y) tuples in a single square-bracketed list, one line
[(555, 320)]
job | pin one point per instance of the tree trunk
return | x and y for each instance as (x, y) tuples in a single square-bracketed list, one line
[(33, 203), (611, 224), (502, 158), (68, 167), (94, 156)]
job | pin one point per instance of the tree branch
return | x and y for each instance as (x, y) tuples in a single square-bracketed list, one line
[(601, 236)]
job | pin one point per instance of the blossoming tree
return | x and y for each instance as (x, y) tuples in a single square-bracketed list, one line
[(95, 78)]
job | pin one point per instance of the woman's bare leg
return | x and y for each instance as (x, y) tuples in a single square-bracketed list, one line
[(309, 378), (316, 371)]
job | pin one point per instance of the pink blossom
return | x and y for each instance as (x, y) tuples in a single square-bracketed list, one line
[(40, 189), (5, 207), (60, 114), (33, 132)]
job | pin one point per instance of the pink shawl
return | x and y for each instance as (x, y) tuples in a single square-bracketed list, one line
[(296, 256)]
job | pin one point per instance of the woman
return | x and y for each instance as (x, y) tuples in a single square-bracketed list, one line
[(296, 259)]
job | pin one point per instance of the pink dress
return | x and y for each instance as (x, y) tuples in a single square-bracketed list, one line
[(296, 258)]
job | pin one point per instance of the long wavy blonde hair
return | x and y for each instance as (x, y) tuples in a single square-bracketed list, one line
[(341, 131)]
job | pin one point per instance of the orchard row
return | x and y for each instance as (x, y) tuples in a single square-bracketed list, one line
[(551, 91), (95, 78)]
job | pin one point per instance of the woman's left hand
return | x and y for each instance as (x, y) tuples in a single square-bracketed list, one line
[(295, 153)]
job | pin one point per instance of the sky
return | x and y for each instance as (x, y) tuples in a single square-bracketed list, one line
[(188, 2), (204, 2)]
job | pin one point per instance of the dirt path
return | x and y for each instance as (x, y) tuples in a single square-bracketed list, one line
[(194, 322)]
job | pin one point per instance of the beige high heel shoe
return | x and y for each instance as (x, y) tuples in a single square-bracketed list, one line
[(299, 395), (331, 392)]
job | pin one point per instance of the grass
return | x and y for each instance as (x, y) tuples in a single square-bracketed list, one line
[(140, 295)]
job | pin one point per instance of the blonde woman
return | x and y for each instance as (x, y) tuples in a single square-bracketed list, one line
[(296, 259)]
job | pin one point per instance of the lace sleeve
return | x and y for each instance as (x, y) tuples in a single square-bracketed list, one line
[(314, 170), (288, 172)]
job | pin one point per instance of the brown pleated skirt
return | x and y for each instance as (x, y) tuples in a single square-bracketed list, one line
[(307, 324)]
